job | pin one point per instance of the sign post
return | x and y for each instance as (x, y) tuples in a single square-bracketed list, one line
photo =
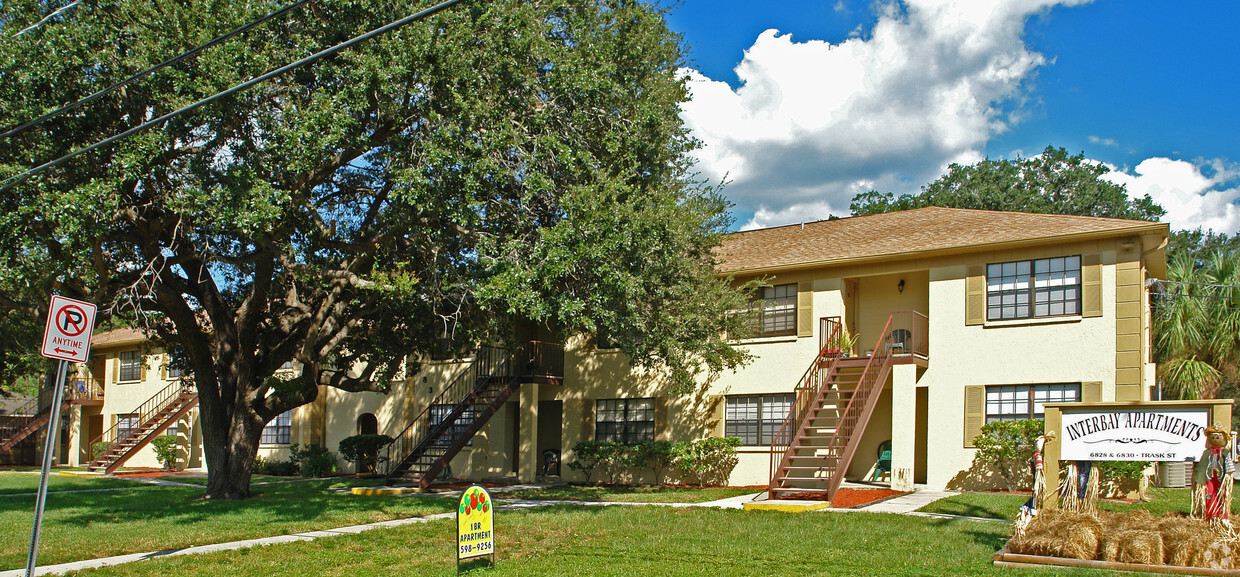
[(474, 526), (67, 338)]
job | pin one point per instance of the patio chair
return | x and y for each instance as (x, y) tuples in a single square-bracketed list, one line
[(884, 460)]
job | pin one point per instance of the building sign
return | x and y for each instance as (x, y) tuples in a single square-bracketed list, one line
[(1153, 434), (67, 334), (473, 525)]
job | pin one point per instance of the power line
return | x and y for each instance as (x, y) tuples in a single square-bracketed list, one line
[(12, 181), (218, 40), (46, 18)]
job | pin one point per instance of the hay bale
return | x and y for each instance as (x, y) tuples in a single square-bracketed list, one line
[(1058, 533), (1185, 541), (1133, 546)]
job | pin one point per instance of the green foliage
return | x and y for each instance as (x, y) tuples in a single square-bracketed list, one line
[(1127, 470), (1196, 322), (502, 164), (276, 467), (313, 460), (656, 456), (98, 448), (1008, 446), (364, 450), (708, 460), (591, 455), (1051, 183), (166, 450)]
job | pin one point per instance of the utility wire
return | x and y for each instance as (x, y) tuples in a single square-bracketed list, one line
[(12, 181), (46, 18), (218, 40)]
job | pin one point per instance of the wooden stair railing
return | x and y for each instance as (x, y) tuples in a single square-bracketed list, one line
[(155, 415), (836, 415), (806, 394), (445, 426)]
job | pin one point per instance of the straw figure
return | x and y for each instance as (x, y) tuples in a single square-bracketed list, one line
[(1079, 490), (1030, 509), (1212, 480)]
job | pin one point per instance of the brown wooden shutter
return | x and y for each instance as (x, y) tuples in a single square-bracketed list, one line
[(805, 309), (142, 367), (975, 295), (974, 412), (1091, 392), (116, 369), (662, 427), (163, 367), (294, 436), (587, 420), (1091, 286)]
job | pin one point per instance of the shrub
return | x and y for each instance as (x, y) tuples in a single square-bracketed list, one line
[(364, 450), (275, 467), (98, 449), (1132, 471), (166, 450), (708, 460), (590, 455), (1008, 447), (653, 455), (313, 460)]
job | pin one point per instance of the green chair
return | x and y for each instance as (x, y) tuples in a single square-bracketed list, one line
[(884, 460)]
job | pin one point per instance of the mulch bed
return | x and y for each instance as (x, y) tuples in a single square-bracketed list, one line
[(846, 498)]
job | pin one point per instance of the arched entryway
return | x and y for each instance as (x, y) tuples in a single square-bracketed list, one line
[(367, 424)]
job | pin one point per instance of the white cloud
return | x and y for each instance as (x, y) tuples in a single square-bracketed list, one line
[(813, 123), (1103, 141), (1195, 195)]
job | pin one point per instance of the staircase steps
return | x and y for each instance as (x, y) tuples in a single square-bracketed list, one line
[(835, 400), (155, 416)]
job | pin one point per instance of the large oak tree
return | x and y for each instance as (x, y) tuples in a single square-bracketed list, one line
[(505, 163)]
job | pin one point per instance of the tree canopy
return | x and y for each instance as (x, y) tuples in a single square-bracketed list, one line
[(504, 164), (1050, 183)]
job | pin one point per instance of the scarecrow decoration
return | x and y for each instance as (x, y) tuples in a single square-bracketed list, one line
[(1030, 509), (1212, 480), (1080, 489)]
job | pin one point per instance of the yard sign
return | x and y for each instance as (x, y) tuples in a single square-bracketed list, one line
[(474, 522)]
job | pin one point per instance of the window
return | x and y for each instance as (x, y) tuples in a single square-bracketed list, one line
[(131, 366), (756, 419), (174, 371), (126, 424), (625, 421), (1013, 402), (1045, 287), (777, 311), (279, 431)]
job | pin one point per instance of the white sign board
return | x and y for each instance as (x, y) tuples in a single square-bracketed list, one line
[(69, 326), (1133, 434)]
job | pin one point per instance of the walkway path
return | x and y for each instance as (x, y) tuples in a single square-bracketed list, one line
[(904, 505)]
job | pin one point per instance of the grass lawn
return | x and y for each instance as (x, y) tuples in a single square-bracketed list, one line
[(202, 479), (1006, 506), (88, 525), (625, 541), (627, 493), (13, 483)]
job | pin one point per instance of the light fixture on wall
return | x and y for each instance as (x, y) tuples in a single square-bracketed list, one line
[(900, 287)]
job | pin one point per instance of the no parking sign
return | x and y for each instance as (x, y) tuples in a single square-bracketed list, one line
[(69, 324)]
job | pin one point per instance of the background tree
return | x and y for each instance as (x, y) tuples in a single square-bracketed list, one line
[(503, 165), (1050, 183)]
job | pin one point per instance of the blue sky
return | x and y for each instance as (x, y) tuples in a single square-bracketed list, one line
[(803, 104)]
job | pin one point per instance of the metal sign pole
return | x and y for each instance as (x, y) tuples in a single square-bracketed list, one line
[(49, 447)]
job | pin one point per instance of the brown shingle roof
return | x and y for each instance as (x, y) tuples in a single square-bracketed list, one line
[(122, 336), (908, 233)]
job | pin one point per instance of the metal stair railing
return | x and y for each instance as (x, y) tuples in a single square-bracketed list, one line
[(27, 418), (844, 442), (489, 363), (149, 409), (806, 393)]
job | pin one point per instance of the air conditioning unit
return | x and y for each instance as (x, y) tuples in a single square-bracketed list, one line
[(1175, 474)]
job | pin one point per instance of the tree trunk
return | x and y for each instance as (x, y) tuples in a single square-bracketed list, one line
[(229, 448)]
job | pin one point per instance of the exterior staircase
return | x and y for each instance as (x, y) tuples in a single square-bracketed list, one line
[(445, 426), (30, 418), (153, 418), (833, 404)]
